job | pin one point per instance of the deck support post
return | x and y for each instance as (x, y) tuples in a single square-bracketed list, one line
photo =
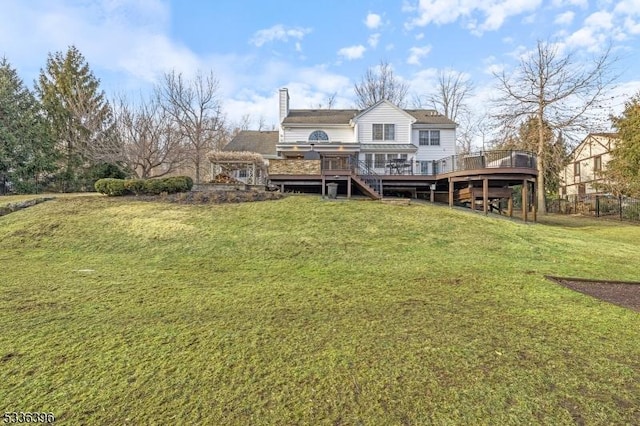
[(349, 187), (485, 195), (324, 184), (450, 192), (525, 199), (472, 195), (535, 200)]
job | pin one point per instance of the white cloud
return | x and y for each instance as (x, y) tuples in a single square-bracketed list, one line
[(568, 3), (373, 21), (633, 27), (491, 13), (600, 19), (352, 52), (565, 18), (628, 7), (491, 67), (598, 28), (419, 36), (417, 53), (373, 40), (278, 33), (126, 38)]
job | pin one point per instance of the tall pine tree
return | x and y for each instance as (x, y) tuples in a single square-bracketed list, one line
[(27, 154), (78, 113)]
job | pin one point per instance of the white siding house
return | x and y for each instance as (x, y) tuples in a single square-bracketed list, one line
[(375, 136)]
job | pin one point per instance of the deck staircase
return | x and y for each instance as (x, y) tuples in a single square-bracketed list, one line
[(366, 179)]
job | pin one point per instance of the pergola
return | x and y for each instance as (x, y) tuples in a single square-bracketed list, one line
[(230, 161)]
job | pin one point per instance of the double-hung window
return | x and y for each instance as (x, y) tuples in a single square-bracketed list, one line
[(384, 132), (368, 160), (429, 137)]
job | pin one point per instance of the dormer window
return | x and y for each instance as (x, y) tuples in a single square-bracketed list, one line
[(318, 136)]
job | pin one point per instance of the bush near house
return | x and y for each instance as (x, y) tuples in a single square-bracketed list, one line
[(169, 185)]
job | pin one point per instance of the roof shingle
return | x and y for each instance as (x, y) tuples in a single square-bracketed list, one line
[(262, 142)]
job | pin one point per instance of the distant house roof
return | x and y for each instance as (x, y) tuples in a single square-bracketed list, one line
[(344, 116), (262, 142), (429, 116), (319, 116)]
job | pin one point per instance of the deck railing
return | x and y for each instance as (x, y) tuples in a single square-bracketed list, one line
[(453, 163), (367, 174), (486, 160)]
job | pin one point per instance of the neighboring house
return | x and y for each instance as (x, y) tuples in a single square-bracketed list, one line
[(581, 176)]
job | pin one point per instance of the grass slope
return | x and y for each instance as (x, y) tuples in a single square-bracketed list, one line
[(302, 311)]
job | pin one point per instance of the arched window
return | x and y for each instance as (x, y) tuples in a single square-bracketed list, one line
[(318, 136)]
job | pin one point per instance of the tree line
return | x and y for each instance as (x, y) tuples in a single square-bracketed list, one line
[(65, 134)]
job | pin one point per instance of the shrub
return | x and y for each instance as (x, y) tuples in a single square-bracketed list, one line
[(170, 185), (154, 186), (134, 186), (111, 187)]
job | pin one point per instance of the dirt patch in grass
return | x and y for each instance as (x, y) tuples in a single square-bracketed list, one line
[(621, 293)]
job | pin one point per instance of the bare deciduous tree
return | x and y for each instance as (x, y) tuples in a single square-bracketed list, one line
[(151, 143), (380, 83), (557, 91), (452, 90), (195, 107)]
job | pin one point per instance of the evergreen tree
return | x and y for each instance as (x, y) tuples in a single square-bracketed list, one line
[(623, 170), (78, 113), (26, 148)]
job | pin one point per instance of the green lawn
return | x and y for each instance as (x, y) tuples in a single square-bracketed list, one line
[(303, 311)]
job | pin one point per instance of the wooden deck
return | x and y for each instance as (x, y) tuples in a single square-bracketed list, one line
[(476, 181)]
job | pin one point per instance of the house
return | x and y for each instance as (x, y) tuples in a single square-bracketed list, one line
[(379, 137), (581, 176), (381, 151)]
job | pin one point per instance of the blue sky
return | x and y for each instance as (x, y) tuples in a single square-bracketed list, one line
[(315, 48)]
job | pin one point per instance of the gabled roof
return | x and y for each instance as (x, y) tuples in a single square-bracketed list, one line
[(386, 102), (319, 116), (262, 142), (429, 116), (312, 117), (592, 136)]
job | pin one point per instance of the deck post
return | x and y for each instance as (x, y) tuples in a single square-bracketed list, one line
[(324, 182), (349, 187), (450, 192), (535, 200), (472, 195), (485, 195), (525, 199), (510, 206)]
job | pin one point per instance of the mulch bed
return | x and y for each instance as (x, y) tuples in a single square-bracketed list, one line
[(212, 197), (621, 293)]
